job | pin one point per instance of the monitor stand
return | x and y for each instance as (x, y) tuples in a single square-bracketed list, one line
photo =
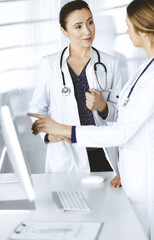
[(6, 177), (2, 157), (21, 204)]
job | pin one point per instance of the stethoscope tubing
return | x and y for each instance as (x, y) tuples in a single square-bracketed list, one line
[(132, 88), (66, 90)]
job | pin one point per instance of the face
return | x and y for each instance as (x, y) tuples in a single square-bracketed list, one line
[(80, 28), (135, 36)]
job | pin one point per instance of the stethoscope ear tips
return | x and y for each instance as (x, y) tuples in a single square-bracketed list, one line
[(66, 91)]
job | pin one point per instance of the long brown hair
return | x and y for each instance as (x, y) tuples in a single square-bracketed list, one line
[(141, 14)]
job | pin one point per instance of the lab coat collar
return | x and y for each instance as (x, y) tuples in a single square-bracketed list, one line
[(89, 70), (130, 82), (66, 54)]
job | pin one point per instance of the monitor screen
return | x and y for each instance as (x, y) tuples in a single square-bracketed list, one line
[(15, 152)]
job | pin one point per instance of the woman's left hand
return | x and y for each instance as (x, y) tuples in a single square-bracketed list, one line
[(55, 139), (94, 101), (116, 182)]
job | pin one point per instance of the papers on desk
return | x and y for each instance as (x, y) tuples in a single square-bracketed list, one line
[(56, 231)]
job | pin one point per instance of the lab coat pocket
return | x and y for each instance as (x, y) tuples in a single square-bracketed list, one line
[(58, 146), (133, 171), (57, 159)]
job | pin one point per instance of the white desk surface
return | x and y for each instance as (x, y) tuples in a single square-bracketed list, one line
[(109, 206)]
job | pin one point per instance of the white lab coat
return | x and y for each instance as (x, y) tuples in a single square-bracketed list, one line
[(133, 132), (48, 99)]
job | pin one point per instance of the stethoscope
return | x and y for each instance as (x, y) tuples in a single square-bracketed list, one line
[(66, 90), (132, 88)]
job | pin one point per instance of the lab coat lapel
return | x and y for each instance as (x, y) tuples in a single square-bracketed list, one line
[(130, 83), (92, 81), (70, 100)]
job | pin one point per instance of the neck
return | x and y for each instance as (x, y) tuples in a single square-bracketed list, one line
[(79, 52), (149, 48), (150, 52)]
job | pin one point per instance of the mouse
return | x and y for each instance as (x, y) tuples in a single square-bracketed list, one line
[(93, 179)]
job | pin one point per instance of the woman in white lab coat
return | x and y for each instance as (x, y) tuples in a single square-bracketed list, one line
[(77, 62), (133, 131)]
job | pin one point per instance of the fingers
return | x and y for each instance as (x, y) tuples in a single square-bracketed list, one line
[(95, 91), (116, 182), (93, 101), (90, 100), (54, 139), (92, 94), (67, 140), (36, 115), (41, 124), (38, 126)]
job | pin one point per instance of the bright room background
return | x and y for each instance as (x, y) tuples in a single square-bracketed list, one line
[(29, 29)]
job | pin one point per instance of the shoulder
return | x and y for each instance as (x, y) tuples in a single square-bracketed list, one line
[(108, 58), (51, 57), (105, 58), (48, 60)]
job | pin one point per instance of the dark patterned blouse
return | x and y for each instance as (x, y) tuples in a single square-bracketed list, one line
[(97, 159), (80, 88)]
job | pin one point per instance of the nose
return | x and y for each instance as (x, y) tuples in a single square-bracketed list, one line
[(127, 31), (86, 30)]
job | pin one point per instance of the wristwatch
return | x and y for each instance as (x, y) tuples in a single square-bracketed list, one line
[(46, 140)]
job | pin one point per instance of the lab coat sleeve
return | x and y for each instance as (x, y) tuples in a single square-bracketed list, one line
[(131, 118), (116, 89), (40, 99)]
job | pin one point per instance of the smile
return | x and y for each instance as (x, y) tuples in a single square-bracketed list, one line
[(87, 39)]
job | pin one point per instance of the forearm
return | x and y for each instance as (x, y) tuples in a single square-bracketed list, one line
[(103, 108), (62, 130)]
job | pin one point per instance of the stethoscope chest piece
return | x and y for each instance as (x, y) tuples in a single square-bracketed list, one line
[(66, 91), (125, 102)]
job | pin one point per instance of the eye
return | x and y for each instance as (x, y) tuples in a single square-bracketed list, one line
[(90, 22), (77, 26)]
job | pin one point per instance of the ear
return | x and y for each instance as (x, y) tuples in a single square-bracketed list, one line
[(64, 32), (142, 34)]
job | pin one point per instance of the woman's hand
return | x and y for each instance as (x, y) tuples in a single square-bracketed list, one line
[(116, 182), (55, 139), (48, 125), (94, 101)]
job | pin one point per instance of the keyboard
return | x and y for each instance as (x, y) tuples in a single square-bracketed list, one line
[(70, 201)]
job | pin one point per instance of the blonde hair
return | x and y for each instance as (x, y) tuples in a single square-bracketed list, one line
[(141, 14)]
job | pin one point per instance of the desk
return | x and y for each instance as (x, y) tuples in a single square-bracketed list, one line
[(109, 206)]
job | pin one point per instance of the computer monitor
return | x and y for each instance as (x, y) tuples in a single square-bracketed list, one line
[(18, 161)]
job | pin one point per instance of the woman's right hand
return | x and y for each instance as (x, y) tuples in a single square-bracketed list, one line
[(94, 101), (47, 125)]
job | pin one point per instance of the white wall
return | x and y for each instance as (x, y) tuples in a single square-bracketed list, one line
[(29, 29)]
